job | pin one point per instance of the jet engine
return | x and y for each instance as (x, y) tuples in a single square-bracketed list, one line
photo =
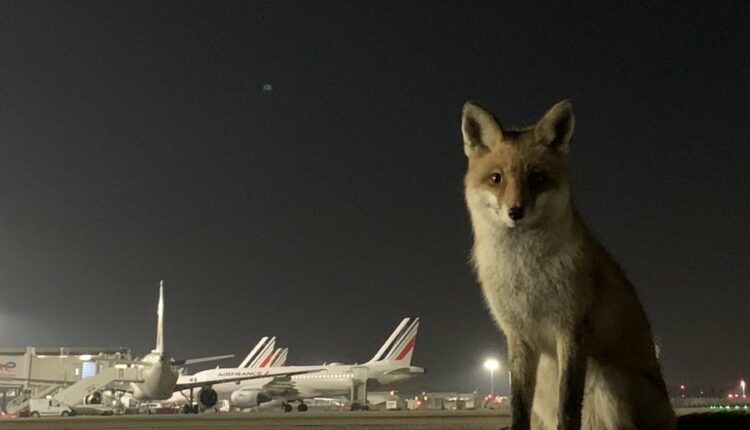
[(248, 398), (208, 398)]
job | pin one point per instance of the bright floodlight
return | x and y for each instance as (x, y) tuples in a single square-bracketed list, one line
[(491, 364)]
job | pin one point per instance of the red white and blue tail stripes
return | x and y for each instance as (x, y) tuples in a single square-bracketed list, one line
[(400, 344), (261, 354)]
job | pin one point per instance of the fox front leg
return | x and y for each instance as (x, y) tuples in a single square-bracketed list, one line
[(571, 359), (523, 366)]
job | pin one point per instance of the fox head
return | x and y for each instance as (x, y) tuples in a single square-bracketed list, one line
[(517, 178)]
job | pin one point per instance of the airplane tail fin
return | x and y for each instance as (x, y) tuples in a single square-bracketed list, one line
[(263, 354), (160, 320), (255, 351), (400, 345), (279, 357)]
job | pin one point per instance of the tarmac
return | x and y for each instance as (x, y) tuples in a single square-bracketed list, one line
[(372, 420), (696, 419)]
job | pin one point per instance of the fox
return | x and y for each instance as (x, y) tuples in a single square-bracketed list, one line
[(580, 347)]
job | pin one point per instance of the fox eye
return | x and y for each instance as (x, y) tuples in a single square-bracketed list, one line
[(538, 178), (495, 178)]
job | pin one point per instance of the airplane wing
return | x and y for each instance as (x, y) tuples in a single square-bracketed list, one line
[(285, 388), (201, 360), (281, 386), (256, 375)]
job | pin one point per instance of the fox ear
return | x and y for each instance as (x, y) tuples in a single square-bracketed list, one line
[(555, 129), (480, 130)]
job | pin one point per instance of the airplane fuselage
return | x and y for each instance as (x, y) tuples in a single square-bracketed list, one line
[(159, 378), (332, 380)]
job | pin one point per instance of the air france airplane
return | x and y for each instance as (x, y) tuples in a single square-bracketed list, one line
[(261, 356), (392, 363)]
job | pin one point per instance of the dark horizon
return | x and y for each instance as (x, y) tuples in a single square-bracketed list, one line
[(137, 144)]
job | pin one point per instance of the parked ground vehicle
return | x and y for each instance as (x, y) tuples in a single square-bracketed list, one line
[(49, 407), (94, 410)]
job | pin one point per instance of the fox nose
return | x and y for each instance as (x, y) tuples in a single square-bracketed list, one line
[(515, 213)]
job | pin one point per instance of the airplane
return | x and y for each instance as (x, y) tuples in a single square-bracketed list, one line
[(392, 363), (161, 372), (261, 356)]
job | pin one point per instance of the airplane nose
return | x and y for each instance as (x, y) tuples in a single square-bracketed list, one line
[(515, 213)]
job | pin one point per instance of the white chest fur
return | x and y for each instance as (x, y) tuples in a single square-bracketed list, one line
[(527, 277)]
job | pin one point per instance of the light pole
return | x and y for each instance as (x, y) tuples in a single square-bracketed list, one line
[(491, 364)]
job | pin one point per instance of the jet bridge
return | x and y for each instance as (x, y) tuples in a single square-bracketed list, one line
[(31, 372)]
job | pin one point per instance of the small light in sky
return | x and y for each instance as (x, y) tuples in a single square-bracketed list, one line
[(267, 88)]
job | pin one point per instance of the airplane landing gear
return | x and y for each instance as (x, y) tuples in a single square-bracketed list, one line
[(302, 407), (190, 409), (359, 407), (287, 407)]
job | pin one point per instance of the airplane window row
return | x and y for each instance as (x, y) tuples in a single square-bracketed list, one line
[(324, 376)]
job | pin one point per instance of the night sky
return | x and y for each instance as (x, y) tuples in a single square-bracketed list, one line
[(137, 144)]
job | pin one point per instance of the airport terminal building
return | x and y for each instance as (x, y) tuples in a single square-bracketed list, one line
[(33, 372)]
